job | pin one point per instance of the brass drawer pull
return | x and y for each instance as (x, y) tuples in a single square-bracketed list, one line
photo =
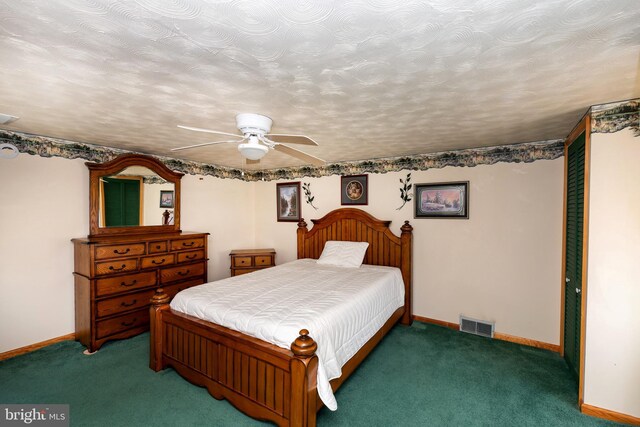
[(194, 256), (129, 323), (111, 267), (158, 247), (126, 285), (115, 251), (124, 304), (153, 261), (183, 273), (188, 244)]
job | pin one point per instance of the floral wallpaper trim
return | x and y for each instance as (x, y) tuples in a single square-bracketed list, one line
[(53, 147), (528, 152), (614, 117), (517, 153)]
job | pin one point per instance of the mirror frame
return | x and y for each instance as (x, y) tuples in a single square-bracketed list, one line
[(99, 170)]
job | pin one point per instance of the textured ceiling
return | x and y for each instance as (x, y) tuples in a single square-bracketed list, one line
[(365, 79)]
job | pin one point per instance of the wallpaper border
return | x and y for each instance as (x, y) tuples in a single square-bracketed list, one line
[(616, 116), (515, 153)]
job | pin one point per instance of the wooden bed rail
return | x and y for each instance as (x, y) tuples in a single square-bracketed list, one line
[(262, 380)]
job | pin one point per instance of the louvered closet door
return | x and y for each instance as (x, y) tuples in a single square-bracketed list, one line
[(574, 239)]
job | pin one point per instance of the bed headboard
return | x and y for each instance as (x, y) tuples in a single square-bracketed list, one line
[(355, 225)]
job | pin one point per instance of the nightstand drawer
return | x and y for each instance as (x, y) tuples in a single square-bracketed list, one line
[(242, 261), (262, 261)]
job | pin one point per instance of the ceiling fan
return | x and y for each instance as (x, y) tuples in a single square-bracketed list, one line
[(255, 130)]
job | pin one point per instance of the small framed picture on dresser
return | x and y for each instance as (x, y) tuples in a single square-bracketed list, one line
[(288, 201)]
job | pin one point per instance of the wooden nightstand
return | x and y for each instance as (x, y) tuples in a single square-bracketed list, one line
[(248, 260)]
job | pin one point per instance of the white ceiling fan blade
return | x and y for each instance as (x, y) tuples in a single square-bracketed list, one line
[(291, 139), (299, 154), (205, 144), (209, 131)]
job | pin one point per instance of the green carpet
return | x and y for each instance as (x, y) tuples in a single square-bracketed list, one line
[(424, 375)]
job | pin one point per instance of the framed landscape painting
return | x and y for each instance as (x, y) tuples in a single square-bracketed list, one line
[(442, 200), (288, 201)]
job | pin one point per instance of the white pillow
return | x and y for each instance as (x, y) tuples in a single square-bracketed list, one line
[(343, 254)]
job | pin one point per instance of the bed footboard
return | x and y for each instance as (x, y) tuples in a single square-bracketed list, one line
[(262, 380)]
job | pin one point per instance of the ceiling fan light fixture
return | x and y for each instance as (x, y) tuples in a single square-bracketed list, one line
[(7, 118), (253, 151)]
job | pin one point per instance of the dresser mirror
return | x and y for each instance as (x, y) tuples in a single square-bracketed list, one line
[(133, 194)]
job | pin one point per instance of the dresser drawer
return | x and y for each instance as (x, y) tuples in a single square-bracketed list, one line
[(118, 251), (262, 260), (168, 275), (157, 247), (177, 245), (242, 261), (124, 303), (158, 260), (116, 266), (122, 323), (172, 290), (130, 282), (190, 256)]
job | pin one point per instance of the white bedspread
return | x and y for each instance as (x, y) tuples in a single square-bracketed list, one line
[(341, 307)]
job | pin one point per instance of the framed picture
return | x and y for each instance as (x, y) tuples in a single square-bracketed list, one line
[(354, 190), (166, 198), (442, 200), (288, 201)]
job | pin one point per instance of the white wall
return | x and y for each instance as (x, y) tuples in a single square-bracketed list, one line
[(612, 362), (502, 265), (222, 207), (45, 203)]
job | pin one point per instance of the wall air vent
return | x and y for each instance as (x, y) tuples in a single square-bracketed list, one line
[(476, 327)]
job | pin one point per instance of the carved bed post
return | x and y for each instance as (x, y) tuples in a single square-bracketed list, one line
[(302, 230), (405, 241), (304, 371), (159, 303)]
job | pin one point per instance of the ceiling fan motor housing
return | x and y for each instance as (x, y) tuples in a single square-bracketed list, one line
[(253, 124)]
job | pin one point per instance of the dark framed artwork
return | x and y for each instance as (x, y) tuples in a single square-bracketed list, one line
[(166, 198), (354, 190), (288, 201), (442, 200)]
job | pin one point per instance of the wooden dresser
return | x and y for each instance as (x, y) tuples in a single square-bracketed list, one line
[(116, 276), (248, 260)]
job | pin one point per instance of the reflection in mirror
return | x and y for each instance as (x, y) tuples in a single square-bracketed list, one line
[(135, 196)]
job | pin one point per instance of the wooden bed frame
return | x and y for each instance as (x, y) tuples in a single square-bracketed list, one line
[(260, 379)]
